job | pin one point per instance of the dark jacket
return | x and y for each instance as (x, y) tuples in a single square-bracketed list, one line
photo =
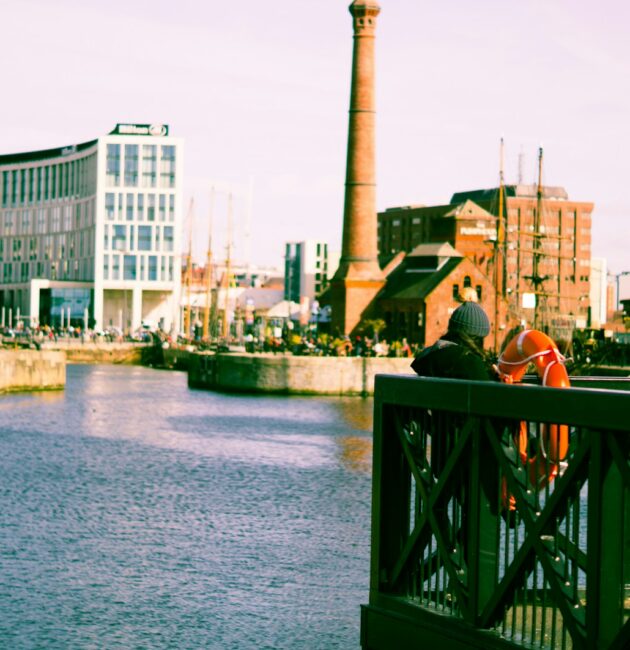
[(452, 361)]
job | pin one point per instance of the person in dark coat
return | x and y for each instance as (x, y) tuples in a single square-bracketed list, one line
[(459, 353)]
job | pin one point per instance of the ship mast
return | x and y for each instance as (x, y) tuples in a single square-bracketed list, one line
[(536, 279), (188, 276), (206, 311), (499, 252), (228, 270)]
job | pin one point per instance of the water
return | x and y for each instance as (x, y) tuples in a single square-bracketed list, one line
[(136, 513)]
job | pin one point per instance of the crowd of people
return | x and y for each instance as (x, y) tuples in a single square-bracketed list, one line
[(325, 345)]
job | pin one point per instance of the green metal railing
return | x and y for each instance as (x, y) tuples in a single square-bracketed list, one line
[(453, 564)]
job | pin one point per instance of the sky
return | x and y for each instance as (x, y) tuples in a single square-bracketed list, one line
[(259, 92)]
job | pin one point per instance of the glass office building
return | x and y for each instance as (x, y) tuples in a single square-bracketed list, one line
[(93, 231)]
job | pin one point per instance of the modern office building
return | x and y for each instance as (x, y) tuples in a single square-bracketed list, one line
[(307, 270), (91, 231)]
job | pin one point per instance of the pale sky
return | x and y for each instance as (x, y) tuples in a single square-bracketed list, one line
[(259, 92)]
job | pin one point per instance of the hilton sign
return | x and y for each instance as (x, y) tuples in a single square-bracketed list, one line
[(140, 129)]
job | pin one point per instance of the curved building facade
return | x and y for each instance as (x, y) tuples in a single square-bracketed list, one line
[(90, 233)]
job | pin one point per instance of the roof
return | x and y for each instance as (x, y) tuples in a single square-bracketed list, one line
[(441, 249), (469, 210), (464, 208), (44, 154), (525, 191), (408, 282)]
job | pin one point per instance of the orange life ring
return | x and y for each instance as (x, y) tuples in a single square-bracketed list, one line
[(532, 346)]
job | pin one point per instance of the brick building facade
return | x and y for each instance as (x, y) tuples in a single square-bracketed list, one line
[(469, 223), (424, 289)]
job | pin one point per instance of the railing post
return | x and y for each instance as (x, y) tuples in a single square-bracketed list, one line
[(482, 557), (607, 569), (391, 483)]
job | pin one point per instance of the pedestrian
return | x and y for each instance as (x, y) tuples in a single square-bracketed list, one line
[(459, 353)]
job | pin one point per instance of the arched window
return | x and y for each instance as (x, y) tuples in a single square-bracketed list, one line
[(455, 291), (478, 290), (467, 281)]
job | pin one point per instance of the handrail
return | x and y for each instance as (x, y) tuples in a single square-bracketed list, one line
[(450, 567)]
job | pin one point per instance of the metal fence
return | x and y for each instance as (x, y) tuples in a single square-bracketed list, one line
[(500, 516)]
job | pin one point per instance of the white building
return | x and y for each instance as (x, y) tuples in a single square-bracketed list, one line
[(93, 230), (307, 270), (598, 292)]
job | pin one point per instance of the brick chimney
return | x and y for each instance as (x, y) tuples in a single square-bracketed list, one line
[(359, 277)]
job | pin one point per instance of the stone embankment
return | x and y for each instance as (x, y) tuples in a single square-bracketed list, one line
[(30, 370), (99, 352), (287, 374)]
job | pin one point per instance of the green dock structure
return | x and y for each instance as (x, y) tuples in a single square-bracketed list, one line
[(452, 564)]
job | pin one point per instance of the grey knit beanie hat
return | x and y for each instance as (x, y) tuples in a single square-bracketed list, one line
[(470, 319)]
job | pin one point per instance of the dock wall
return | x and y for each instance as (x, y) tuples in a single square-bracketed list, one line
[(94, 352), (26, 370), (287, 374)]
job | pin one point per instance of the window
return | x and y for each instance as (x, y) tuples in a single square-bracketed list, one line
[(149, 165), (152, 267), (110, 205), (467, 282), (129, 207), (140, 207), (5, 189), (119, 238), (106, 237), (478, 291), (106, 267), (455, 291), (168, 238), (129, 268), (162, 207), (131, 165), (171, 207), (167, 166), (150, 207), (144, 238), (115, 267), (112, 166)]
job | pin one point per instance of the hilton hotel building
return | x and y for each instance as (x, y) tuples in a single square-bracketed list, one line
[(93, 229)]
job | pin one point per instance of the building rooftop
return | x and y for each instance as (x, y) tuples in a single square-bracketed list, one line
[(43, 154), (410, 282), (524, 191)]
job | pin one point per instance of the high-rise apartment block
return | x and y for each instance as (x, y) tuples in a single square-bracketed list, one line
[(307, 269), (93, 229)]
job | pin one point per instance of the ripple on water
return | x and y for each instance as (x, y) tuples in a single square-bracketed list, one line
[(138, 513)]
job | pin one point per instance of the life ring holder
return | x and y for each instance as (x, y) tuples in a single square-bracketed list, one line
[(533, 346)]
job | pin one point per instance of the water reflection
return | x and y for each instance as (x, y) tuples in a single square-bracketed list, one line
[(356, 411), (139, 513), (356, 453)]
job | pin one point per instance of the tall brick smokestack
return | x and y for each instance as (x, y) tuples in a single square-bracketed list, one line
[(359, 278)]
